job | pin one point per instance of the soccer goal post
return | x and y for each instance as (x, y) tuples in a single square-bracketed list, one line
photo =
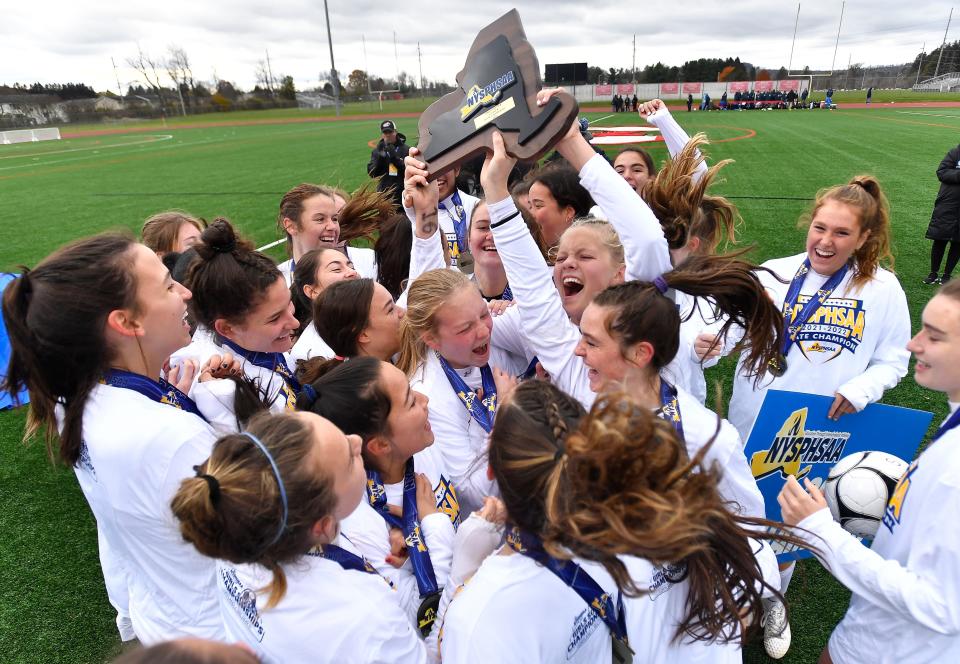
[(29, 135)]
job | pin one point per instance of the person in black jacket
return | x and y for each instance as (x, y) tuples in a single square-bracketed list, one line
[(386, 160), (945, 222)]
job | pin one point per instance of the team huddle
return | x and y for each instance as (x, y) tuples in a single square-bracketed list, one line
[(485, 439)]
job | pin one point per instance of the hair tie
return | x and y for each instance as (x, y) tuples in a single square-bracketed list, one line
[(340, 358), (309, 392), (280, 486), (213, 485), (661, 284), (226, 247), (561, 450)]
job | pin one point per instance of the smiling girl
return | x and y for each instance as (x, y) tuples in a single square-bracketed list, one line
[(241, 297), (845, 321), (90, 329), (907, 583), (310, 218)]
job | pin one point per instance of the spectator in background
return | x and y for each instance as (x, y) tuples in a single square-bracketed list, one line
[(386, 160), (803, 97), (945, 222), (635, 103), (723, 101), (829, 98), (869, 94), (689, 103)]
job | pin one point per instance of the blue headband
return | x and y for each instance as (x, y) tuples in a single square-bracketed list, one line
[(276, 474)]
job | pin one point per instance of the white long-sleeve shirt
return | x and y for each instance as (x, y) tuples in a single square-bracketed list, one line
[(515, 610), (328, 614), (905, 607), (135, 453), (855, 344), (674, 136)]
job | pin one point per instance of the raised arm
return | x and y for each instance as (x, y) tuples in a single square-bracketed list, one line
[(549, 332), (420, 198), (645, 249), (656, 113)]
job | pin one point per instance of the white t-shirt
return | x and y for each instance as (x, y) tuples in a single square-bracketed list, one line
[(906, 587), (460, 440), (328, 614), (364, 262), (309, 345), (136, 451), (515, 610), (855, 344)]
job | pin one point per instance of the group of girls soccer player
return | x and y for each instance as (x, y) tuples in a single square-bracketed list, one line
[(368, 455)]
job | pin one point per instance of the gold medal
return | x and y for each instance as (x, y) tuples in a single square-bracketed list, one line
[(427, 613), (777, 366)]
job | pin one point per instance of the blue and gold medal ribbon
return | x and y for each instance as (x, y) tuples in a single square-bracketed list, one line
[(481, 409), (459, 216), (346, 559), (409, 524), (670, 407), (573, 575), (793, 324), (160, 391), (507, 294), (951, 423), (274, 362)]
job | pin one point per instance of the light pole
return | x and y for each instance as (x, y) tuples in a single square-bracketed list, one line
[(333, 68)]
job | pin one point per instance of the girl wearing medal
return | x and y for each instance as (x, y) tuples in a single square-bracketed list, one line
[(845, 317), (90, 329), (310, 218), (907, 583), (619, 547), (845, 321), (267, 505), (445, 349), (406, 525), (241, 297)]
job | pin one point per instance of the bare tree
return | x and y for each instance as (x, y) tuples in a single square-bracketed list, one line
[(179, 62), (262, 76), (149, 69), (178, 69)]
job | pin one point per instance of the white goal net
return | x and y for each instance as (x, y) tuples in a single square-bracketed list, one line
[(29, 135)]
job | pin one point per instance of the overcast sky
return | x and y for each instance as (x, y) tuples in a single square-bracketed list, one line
[(66, 40)]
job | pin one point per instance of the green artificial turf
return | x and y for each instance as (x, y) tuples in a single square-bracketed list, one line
[(53, 606)]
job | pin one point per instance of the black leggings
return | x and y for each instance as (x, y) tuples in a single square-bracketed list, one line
[(936, 256)]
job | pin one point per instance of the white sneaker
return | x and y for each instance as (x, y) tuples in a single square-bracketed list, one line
[(776, 630)]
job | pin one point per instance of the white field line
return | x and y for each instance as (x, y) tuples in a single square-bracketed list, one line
[(155, 138), (930, 115)]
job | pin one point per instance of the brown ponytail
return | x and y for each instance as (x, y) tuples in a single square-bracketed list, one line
[(365, 212), (864, 194), (620, 483), (238, 520), (55, 316), (640, 312), (676, 198)]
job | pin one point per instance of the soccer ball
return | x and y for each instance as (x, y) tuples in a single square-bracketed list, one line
[(859, 487)]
